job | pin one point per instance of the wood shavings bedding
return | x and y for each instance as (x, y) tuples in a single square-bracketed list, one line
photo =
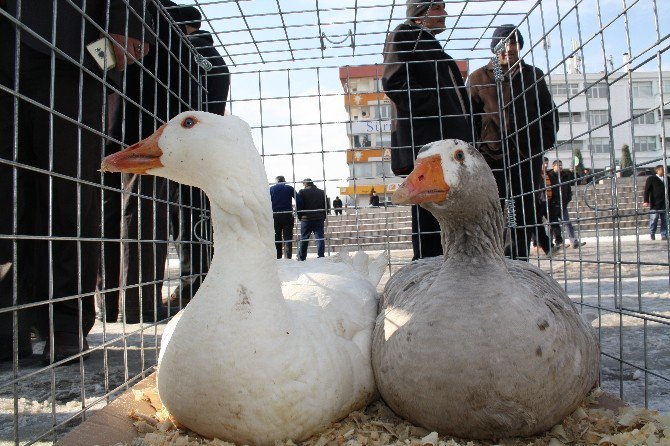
[(591, 424)]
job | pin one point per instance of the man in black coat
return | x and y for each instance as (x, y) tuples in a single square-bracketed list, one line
[(513, 139), (185, 219), (59, 134), (655, 193), (429, 103), (165, 85), (312, 207)]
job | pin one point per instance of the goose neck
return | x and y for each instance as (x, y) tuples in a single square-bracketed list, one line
[(473, 240)]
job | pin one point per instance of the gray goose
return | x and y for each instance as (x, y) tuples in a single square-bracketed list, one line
[(472, 344)]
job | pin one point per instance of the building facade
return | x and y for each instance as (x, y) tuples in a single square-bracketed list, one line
[(369, 132), (599, 119)]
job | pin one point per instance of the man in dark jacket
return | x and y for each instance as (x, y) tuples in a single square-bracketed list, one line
[(58, 129), (337, 206), (163, 87), (655, 193), (513, 139), (429, 103), (312, 207), (282, 196), (185, 219)]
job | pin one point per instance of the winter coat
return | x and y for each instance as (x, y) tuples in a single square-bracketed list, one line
[(37, 15), (281, 196), (530, 116), (312, 204), (218, 78), (561, 188), (653, 192), (419, 78)]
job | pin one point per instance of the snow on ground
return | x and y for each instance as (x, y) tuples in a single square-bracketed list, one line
[(634, 327)]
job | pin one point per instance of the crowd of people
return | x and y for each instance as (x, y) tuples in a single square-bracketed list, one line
[(60, 105)]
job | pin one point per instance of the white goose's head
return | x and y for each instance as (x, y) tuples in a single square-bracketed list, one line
[(449, 177), (192, 148)]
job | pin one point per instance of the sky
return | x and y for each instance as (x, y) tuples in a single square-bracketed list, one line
[(288, 89)]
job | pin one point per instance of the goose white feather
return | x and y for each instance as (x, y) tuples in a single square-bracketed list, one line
[(475, 345), (267, 350)]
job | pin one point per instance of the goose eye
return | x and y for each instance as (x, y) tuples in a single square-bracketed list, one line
[(189, 122), (459, 156)]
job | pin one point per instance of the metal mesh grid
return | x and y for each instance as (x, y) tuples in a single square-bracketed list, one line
[(293, 70)]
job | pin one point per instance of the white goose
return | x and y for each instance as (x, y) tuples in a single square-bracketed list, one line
[(267, 350), (475, 345)]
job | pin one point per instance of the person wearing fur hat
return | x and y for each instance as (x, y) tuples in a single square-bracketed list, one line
[(429, 102), (513, 140)]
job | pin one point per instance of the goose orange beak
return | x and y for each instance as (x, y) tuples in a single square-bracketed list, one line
[(425, 184), (137, 158)]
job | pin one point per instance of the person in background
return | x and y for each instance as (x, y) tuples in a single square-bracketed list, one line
[(374, 199), (565, 179), (312, 207), (586, 176), (655, 193), (55, 203), (429, 103), (556, 192), (282, 196), (513, 139), (337, 206)]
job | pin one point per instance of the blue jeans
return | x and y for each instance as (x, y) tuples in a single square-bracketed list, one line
[(306, 229), (653, 222), (568, 224)]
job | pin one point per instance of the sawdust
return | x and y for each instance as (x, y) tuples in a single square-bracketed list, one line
[(593, 423)]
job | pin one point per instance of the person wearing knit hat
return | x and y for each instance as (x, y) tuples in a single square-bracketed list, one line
[(429, 102), (191, 18), (517, 136), (504, 32)]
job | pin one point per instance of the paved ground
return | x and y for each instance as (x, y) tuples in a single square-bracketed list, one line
[(636, 273)]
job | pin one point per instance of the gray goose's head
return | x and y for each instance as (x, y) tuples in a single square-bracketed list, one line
[(450, 178)]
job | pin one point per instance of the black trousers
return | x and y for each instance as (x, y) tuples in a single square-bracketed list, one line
[(138, 266), (426, 237), (186, 225), (518, 181), (284, 233), (47, 209)]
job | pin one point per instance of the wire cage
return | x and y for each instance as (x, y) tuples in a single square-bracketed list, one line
[(94, 263)]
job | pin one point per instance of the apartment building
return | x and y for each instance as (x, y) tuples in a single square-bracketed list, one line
[(599, 118)]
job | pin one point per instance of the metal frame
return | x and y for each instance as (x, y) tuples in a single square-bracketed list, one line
[(284, 58)]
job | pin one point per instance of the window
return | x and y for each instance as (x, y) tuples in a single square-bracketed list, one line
[(564, 89), (642, 89), (598, 117), (569, 117), (646, 118), (360, 170), (599, 145), (384, 140), (353, 85), (385, 111), (666, 113), (597, 91), (570, 146), (383, 169), (644, 143)]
